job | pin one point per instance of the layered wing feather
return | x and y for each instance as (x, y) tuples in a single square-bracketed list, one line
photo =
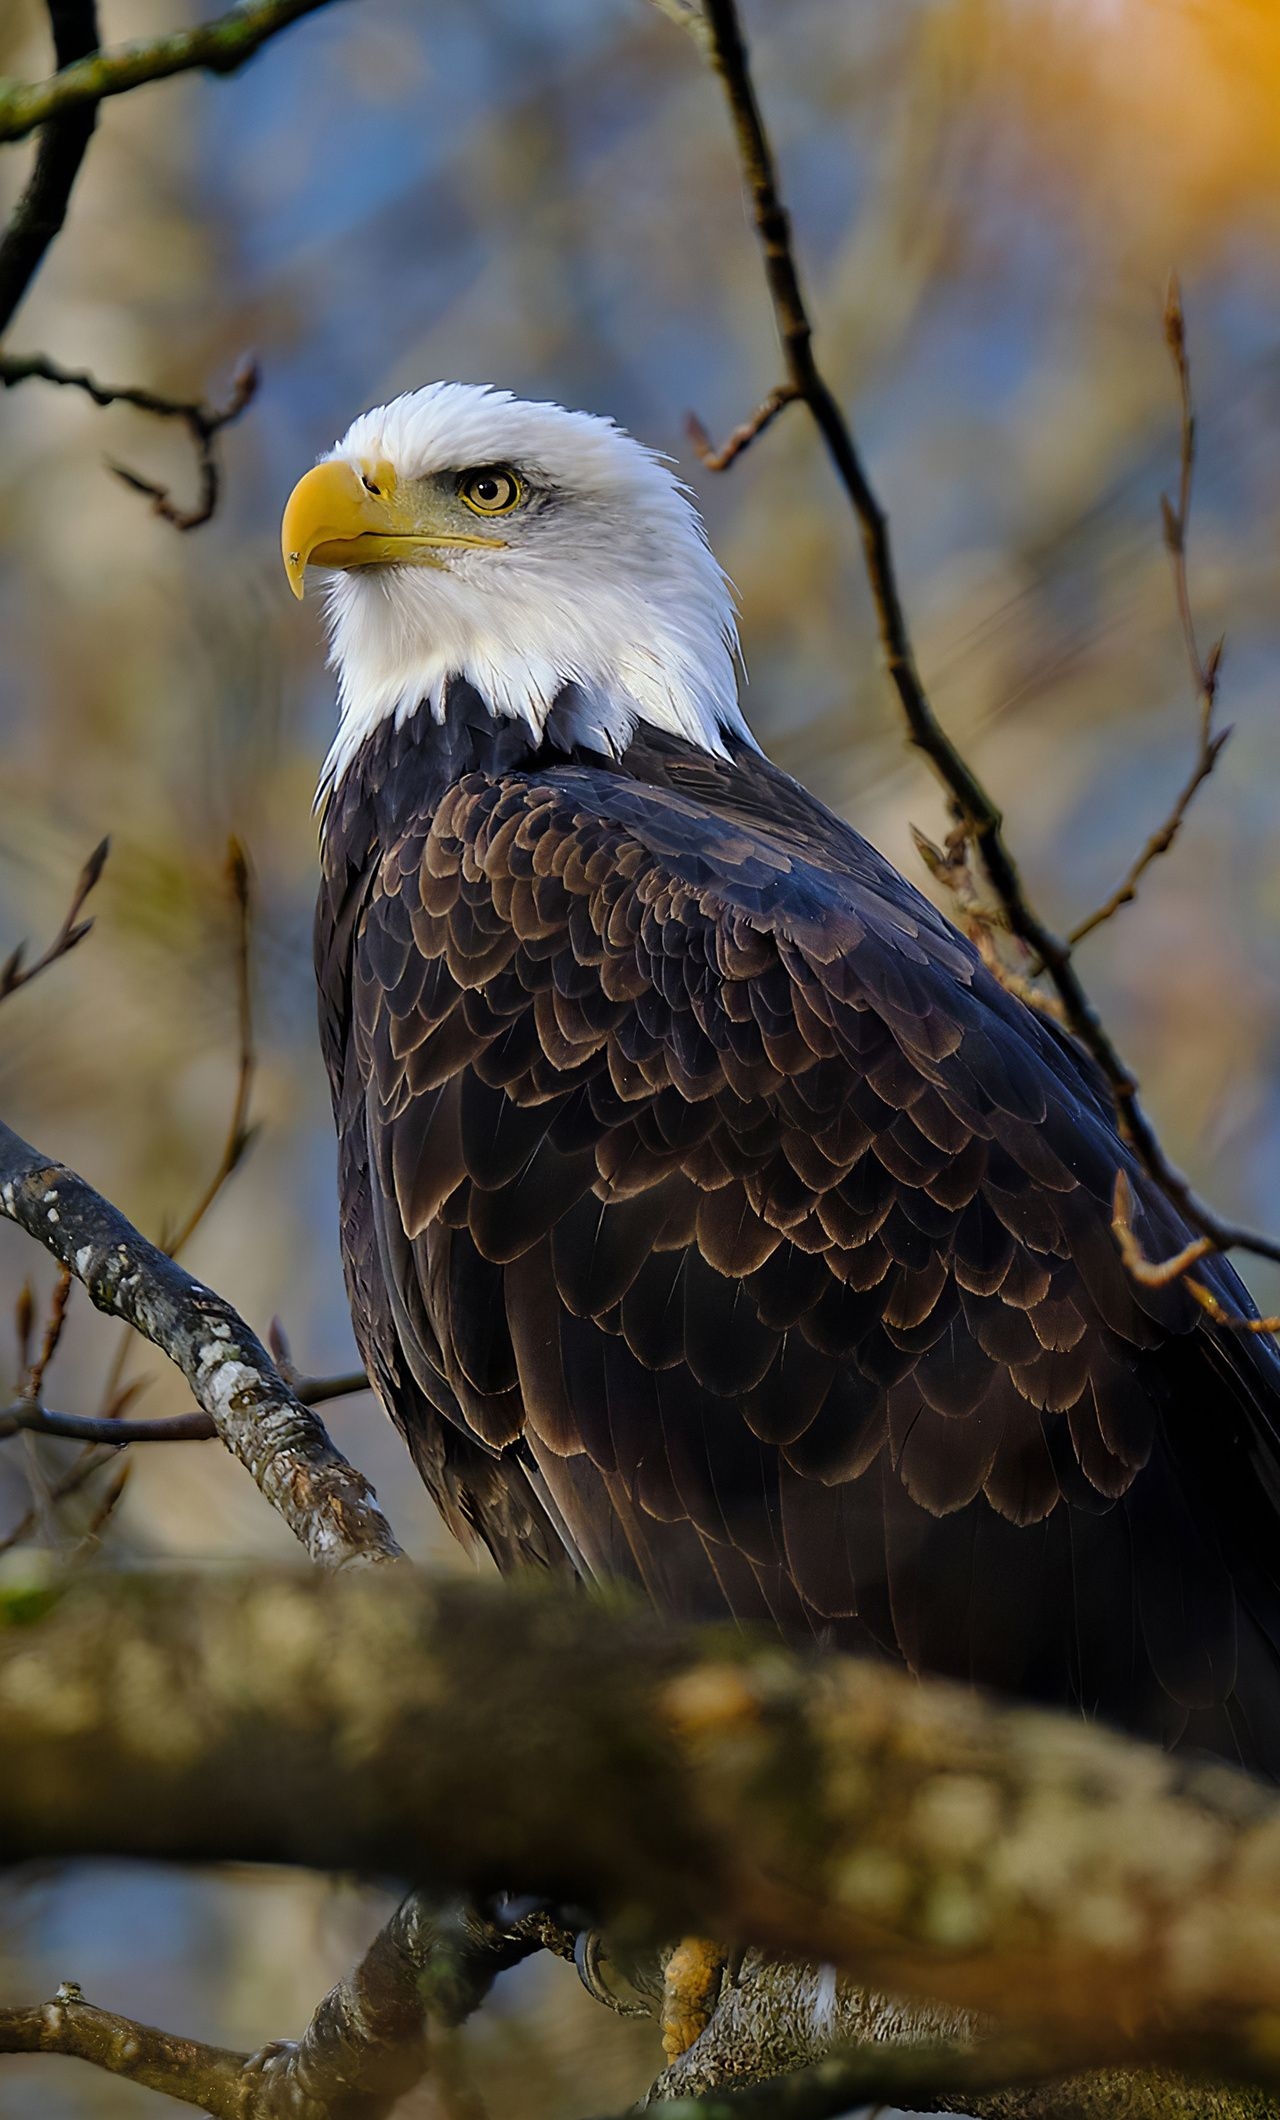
[(708, 1198)]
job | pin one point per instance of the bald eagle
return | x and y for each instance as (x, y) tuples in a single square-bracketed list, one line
[(712, 1218)]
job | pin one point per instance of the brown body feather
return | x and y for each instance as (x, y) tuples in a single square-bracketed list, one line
[(713, 1219)]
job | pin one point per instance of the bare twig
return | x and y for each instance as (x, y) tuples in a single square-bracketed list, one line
[(1204, 669), (216, 47), (971, 800), (742, 437), (89, 1462), (57, 1317), (24, 1319), (324, 1500), (24, 1416), (951, 866), (204, 423), (318, 1391), (112, 1495), (239, 1132), (14, 973), (1208, 1302), (38, 217), (1153, 1273)]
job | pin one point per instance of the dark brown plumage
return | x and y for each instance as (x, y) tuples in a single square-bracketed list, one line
[(712, 1218)]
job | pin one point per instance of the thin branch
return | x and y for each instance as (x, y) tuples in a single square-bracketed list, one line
[(24, 1319), (89, 1462), (1158, 1273), (328, 1505), (981, 815), (1153, 1273), (317, 1391), (1204, 669), (239, 1133), (22, 1418), (26, 1417), (731, 448), (1161, 839), (951, 866), (216, 47), (1208, 1302), (1176, 521), (687, 15), (38, 217), (14, 973), (203, 422), (112, 1495), (57, 1318), (186, 2069)]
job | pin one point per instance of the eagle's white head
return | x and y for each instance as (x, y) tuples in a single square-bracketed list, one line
[(523, 548)]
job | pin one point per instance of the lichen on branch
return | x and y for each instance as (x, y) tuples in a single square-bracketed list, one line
[(326, 1502), (1085, 1892), (217, 47)]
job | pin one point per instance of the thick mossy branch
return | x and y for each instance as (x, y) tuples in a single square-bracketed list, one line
[(326, 1503), (1088, 1891), (756, 2061), (217, 47)]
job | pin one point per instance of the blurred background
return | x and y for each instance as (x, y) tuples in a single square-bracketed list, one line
[(989, 196)]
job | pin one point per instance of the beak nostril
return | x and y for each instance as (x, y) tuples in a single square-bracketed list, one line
[(370, 487)]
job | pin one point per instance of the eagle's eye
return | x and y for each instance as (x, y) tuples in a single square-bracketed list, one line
[(493, 491)]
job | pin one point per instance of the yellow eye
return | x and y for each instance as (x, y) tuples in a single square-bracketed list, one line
[(493, 491)]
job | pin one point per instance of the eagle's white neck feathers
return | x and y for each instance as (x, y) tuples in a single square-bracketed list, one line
[(609, 585)]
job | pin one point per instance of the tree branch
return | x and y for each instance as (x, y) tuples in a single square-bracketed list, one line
[(776, 2020), (27, 1414), (13, 972), (368, 2042), (1205, 669), (239, 1133), (731, 449), (326, 1503), (89, 1462), (1100, 1899), (974, 805), (203, 422), (38, 217), (185, 2069), (920, 2074), (216, 47)]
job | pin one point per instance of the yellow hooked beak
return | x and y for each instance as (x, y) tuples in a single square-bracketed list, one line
[(338, 517)]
